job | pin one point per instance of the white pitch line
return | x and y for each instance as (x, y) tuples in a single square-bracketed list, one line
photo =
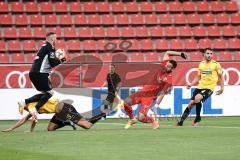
[(224, 127)]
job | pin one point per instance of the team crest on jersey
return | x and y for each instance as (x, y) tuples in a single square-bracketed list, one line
[(52, 55)]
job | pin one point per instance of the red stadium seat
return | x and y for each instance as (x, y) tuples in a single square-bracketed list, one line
[(152, 57), (228, 31), (208, 19), (161, 44), (17, 7), (222, 18), (175, 6), (29, 45), (185, 31), (231, 6), (132, 7), (89, 45), (127, 32), (75, 7), (233, 43), (74, 45), (235, 18), (31, 7), (136, 19), (146, 44), (122, 19), (99, 32), (39, 32), (94, 19), (219, 44), (80, 19), (101, 44), (161, 7), (202, 6), (194, 19), (4, 7), (61, 7), (65, 20), (171, 31), (112, 32), (188, 7), (51, 19), (40, 43), (176, 44), (191, 44), (213, 31), (217, 6), (236, 56), (2, 46), (225, 56), (179, 19), (199, 31), (46, 7), (238, 31), (6, 19), (18, 58), (61, 44), (137, 57), (134, 44), (165, 19), (117, 7), (57, 30), (146, 7), (196, 56), (84, 32), (36, 19), (141, 32), (151, 19), (69, 32), (4, 58), (21, 20), (107, 57), (9, 32), (89, 7), (103, 7), (205, 43), (30, 57), (156, 31), (108, 19), (25, 33)]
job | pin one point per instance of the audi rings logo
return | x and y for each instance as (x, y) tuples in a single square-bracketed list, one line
[(21, 79), (228, 74)]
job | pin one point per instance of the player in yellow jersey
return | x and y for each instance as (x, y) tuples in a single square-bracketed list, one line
[(209, 73), (64, 113)]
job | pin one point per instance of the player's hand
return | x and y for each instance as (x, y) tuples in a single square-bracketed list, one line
[(219, 92), (33, 112), (189, 86), (63, 59), (184, 55)]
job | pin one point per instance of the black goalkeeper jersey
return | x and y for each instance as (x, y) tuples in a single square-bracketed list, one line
[(113, 80), (45, 59)]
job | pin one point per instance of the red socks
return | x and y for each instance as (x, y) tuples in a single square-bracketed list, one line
[(129, 111)]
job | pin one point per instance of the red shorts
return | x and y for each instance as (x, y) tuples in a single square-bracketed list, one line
[(145, 101)]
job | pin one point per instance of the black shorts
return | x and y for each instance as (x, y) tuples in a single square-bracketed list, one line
[(69, 113), (110, 97), (40, 81), (204, 92), (57, 121)]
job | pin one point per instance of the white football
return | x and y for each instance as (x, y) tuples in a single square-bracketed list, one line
[(60, 53)]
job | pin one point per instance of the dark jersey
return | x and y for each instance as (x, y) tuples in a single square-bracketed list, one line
[(45, 59), (113, 80)]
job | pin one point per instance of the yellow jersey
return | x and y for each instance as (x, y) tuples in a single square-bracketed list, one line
[(49, 107), (209, 73)]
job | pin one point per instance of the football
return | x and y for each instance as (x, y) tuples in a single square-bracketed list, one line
[(60, 53)]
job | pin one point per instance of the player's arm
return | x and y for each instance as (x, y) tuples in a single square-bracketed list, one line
[(173, 53), (53, 60), (19, 123), (33, 125), (194, 82), (221, 79), (105, 84)]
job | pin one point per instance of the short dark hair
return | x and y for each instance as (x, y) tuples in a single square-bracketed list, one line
[(50, 33), (205, 49), (174, 63), (113, 65)]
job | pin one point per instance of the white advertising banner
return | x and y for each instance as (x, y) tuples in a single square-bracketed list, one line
[(227, 104)]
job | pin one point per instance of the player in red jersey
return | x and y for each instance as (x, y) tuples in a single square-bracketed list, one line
[(156, 89)]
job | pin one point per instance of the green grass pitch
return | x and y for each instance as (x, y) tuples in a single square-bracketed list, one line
[(214, 138)]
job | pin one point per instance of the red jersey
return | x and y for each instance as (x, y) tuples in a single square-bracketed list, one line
[(158, 82)]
